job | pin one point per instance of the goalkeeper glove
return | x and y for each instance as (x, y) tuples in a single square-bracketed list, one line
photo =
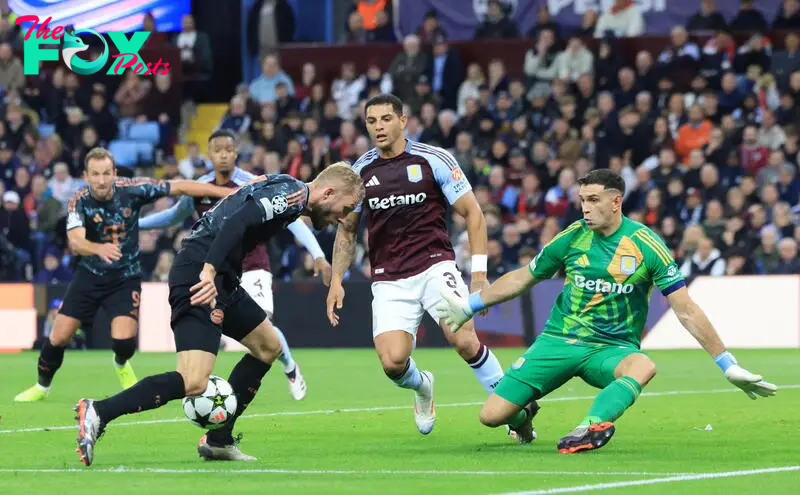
[(751, 384), (456, 310)]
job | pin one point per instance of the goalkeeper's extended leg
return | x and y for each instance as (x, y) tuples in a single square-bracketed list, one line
[(503, 408), (597, 428)]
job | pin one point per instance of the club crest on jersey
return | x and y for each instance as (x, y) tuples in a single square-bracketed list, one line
[(414, 173), (627, 265), (97, 218), (279, 204), (127, 212)]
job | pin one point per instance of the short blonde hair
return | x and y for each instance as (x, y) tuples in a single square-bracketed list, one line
[(342, 174), (98, 153)]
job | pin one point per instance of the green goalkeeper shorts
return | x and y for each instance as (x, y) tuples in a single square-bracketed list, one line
[(551, 361)]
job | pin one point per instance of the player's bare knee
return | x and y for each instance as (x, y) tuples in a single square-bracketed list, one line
[(194, 383), (646, 371), (467, 346), (489, 417), (640, 368), (60, 339), (393, 362), (266, 352)]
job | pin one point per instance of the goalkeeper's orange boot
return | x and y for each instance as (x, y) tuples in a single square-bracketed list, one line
[(585, 438)]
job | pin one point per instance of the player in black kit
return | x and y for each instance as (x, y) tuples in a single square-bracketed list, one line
[(216, 304), (103, 229)]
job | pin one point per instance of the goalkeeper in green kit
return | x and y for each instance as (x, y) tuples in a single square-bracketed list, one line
[(594, 330)]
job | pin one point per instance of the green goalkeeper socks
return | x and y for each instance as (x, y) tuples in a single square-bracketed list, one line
[(613, 400), (518, 419)]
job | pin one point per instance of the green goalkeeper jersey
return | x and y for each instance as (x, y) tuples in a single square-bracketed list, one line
[(608, 282)]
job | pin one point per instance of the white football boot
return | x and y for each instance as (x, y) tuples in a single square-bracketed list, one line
[(424, 407)]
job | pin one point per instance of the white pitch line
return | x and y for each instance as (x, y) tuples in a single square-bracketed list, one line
[(656, 481), (127, 470), (383, 408)]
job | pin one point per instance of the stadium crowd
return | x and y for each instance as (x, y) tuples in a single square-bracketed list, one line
[(713, 167)]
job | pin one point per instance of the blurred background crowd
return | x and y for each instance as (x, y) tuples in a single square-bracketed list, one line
[(705, 130)]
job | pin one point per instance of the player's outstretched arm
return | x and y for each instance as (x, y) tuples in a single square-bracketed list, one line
[(343, 251), (694, 319), (197, 189), (467, 206), (172, 216), (303, 233), (456, 309)]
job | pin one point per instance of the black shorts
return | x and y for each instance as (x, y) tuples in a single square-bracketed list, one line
[(88, 292), (200, 327)]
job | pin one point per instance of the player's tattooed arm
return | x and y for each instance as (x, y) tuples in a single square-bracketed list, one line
[(343, 251), (345, 245), (197, 189), (694, 319)]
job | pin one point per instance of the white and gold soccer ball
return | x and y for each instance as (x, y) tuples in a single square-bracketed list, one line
[(212, 409)]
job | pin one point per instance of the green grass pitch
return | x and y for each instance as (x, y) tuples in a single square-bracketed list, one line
[(354, 433)]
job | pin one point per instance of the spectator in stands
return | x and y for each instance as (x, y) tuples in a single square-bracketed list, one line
[(156, 39), (407, 66), (765, 255), (264, 87), (749, 19), (786, 61), (40, 206), (708, 18), (544, 20), (788, 260), (788, 16), (62, 185), (539, 66), (788, 184), (11, 73), (270, 23), (574, 62), (588, 24), (693, 135), (355, 32), (782, 220), (195, 47), (770, 134), (100, 117), (606, 64), (446, 72), (195, 160), (706, 261), (15, 226), (624, 19), (53, 271), (430, 28), (681, 54), (469, 88), (131, 94), (496, 25), (237, 119), (9, 162)]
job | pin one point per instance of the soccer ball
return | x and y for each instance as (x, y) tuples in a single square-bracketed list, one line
[(212, 409)]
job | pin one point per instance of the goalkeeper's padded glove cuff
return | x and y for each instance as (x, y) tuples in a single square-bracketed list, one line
[(725, 361), (475, 302)]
